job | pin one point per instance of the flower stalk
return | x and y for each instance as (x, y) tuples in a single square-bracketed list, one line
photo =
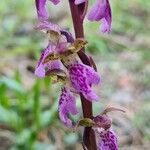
[(78, 13), (60, 60)]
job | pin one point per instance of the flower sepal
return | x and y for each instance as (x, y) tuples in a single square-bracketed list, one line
[(70, 49), (86, 122), (57, 75)]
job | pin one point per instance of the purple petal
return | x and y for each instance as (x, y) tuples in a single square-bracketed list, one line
[(104, 26), (41, 9), (101, 11), (97, 11), (77, 2), (102, 121), (44, 25), (81, 79), (55, 64), (40, 71), (67, 104), (106, 21), (107, 140), (92, 76)]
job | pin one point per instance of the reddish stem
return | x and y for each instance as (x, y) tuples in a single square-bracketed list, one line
[(78, 13)]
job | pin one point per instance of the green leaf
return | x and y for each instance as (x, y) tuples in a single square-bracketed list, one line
[(71, 138), (12, 84), (43, 146), (47, 117), (9, 117)]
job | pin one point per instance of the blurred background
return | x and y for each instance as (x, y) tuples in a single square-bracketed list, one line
[(28, 105)]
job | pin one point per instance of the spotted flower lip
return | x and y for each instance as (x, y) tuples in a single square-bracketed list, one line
[(82, 77), (101, 11), (107, 140), (67, 104)]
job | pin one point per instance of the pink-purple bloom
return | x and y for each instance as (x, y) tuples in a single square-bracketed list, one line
[(67, 104), (101, 11), (106, 138), (56, 43)]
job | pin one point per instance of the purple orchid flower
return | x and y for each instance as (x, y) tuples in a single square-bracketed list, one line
[(82, 77), (67, 104), (54, 64), (56, 43), (101, 11), (107, 140)]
